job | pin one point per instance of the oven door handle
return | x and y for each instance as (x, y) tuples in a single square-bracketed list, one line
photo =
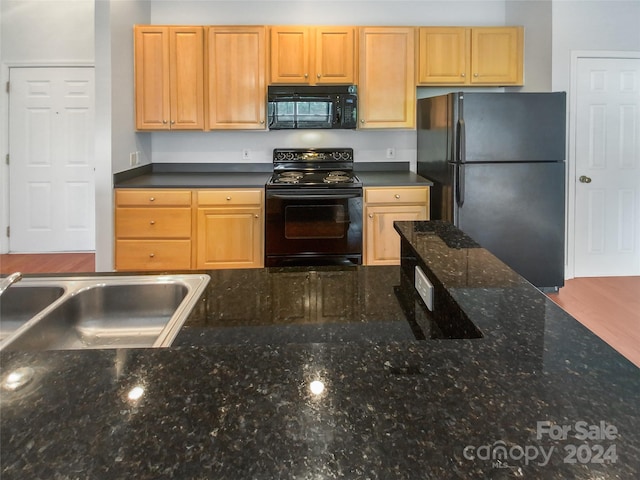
[(285, 196)]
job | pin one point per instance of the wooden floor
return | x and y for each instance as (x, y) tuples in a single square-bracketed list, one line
[(47, 263), (608, 306)]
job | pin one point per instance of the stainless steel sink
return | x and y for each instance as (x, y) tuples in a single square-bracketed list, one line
[(106, 312), (19, 304)]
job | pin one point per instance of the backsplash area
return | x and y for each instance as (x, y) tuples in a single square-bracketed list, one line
[(257, 147)]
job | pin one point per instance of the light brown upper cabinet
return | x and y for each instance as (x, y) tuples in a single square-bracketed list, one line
[(169, 77), (313, 55), (471, 56), (236, 77), (387, 93)]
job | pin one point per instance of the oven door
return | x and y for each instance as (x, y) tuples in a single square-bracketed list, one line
[(313, 227)]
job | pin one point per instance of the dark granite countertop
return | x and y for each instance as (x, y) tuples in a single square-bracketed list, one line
[(232, 400), (195, 176), (250, 175)]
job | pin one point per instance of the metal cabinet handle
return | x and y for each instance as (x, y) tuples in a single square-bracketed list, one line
[(257, 216), (164, 122), (152, 199), (397, 195), (371, 215), (228, 198), (152, 222), (319, 75), (151, 255), (475, 74), (306, 75), (462, 75), (584, 179), (362, 120)]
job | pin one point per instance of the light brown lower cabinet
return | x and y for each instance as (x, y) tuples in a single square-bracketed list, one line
[(160, 229), (153, 229), (230, 229), (383, 206)]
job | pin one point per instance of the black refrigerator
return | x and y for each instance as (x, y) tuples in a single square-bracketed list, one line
[(497, 161)]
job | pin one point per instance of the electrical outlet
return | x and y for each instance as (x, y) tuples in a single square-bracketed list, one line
[(424, 288), (391, 153), (245, 154), (133, 158)]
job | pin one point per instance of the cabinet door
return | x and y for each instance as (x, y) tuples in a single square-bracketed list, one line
[(151, 67), (387, 80), (443, 56), (229, 237), (289, 55), (236, 83), (335, 55), (186, 61), (382, 242), (497, 55), (169, 78)]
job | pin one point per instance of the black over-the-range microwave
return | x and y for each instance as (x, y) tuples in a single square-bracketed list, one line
[(333, 106)]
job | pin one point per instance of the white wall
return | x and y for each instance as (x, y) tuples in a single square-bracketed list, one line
[(536, 15), (115, 126), (328, 12), (606, 25), (51, 33)]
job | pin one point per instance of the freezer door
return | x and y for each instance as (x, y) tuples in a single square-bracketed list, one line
[(520, 127), (516, 211)]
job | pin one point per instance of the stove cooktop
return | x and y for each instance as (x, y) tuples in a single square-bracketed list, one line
[(326, 178), (319, 167)]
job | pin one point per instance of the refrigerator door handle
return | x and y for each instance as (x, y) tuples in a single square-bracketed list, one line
[(459, 179), (461, 154)]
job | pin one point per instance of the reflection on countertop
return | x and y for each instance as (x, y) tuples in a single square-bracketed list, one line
[(383, 409), (311, 305)]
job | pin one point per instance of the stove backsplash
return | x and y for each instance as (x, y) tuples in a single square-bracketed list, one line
[(228, 147)]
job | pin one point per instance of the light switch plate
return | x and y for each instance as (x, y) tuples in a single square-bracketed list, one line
[(424, 288)]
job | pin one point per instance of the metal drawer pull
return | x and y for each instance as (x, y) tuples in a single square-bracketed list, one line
[(152, 222), (151, 255), (397, 195), (228, 198), (152, 199)]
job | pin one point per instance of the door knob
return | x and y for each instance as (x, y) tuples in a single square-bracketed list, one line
[(584, 179)]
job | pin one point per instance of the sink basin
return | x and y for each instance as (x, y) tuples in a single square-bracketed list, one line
[(111, 312), (19, 304)]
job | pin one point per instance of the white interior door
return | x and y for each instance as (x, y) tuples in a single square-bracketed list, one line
[(51, 148), (607, 152)]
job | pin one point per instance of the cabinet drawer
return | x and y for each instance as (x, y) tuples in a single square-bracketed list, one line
[(230, 197), (153, 222), (396, 195), (153, 255), (125, 197)]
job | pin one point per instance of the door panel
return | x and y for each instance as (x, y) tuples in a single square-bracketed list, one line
[(51, 141), (607, 152), (510, 127), (516, 211)]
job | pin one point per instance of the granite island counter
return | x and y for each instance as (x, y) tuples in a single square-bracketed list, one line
[(231, 398)]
